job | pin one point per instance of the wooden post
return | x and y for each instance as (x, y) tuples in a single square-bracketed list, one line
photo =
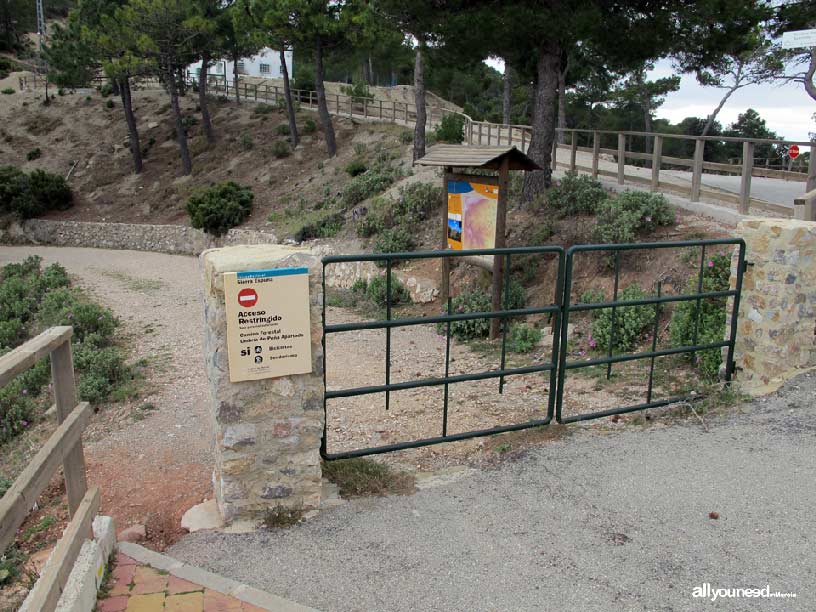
[(554, 152), (811, 181), (365, 108), (62, 376), (393, 111), (480, 133), (488, 134), (697, 170), (747, 171), (381, 110), (657, 156), (255, 91), (596, 153), (523, 140), (498, 260), (276, 94), (621, 158), (444, 285), (406, 112), (573, 150)]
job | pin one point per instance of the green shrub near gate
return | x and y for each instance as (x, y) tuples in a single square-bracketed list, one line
[(623, 218), (523, 338), (576, 194), (478, 300), (630, 322), (220, 208), (712, 316), (376, 291)]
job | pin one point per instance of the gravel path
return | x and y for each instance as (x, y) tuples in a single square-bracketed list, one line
[(614, 521), (159, 458)]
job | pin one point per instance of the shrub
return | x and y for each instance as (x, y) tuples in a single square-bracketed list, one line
[(63, 307), (33, 154), (451, 129), (60, 92), (221, 207), (471, 300), (621, 219), (325, 227), (8, 91), (393, 240), (416, 202), (29, 195), (630, 321), (282, 129), (712, 315), (17, 410), (406, 137), (370, 224), (376, 291), (263, 109), (523, 338), (280, 149), (109, 104), (576, 194), (309, 126), (101, 370), (372, 182), (358, 91), (246, 142), (106, 90), (356, 167)]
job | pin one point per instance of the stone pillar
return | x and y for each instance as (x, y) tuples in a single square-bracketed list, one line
[(777, 315), (267, 432)]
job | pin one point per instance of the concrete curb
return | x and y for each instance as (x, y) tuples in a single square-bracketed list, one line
[(208, 580)]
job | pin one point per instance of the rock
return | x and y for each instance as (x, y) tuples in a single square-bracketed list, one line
[(202, 516), (152, 125), (36, 562), (136, 533)]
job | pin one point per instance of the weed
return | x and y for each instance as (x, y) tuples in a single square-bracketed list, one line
[(33, 154), (282, 517), (523, 338), (43, 524), (245, 142), (282, 129), (309, 127), (280, 149), (365, 477), (503, 448), (109, 104), (8, 91)]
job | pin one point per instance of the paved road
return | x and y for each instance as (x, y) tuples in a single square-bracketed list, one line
[(606, 522)]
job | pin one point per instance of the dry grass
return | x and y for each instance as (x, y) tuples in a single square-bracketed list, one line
[(364, 478)]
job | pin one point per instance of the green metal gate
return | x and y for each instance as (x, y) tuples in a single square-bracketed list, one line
[(559, 310)]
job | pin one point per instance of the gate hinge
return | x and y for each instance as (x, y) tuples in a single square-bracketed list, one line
[(745, 265)]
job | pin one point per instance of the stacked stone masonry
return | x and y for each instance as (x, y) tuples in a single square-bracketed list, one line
[(776, 336), (267, 431)]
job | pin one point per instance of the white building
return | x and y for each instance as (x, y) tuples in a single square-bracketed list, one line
[(265, 64)]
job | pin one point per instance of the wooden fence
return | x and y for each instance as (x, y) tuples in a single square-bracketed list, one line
[(63, 448)]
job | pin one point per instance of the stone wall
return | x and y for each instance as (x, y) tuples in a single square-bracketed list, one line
[(175, 239), (268, 431), (776, 337)]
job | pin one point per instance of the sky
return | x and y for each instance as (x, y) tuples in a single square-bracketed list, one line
[(787, 109)]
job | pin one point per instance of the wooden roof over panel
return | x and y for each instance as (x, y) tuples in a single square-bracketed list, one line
[(489, 158)]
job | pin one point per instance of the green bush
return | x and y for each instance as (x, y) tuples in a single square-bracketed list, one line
[(358, 91), (393, 240), (372, 182), (109, 104), (376, 291), (263, 109), (30, 195), (101, 371), (326, 227), (63, 307), (416, 202), (17, 411), (406, 137), (282, 129), (621, 219), (221, 207), (630, 322), (370, 224), (471, 300), (309, 126), (5, 485), (33, 154), (280, 149), (712, 315), (246, 142), (8, 91), (451, 129), (356, 167), (11, 565), (523, 338), (576, 194), (106, 90)]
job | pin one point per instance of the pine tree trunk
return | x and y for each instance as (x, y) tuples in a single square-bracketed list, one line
[(181, 133), (235, 77), (202, 98), (182, 82), (541, 141), (322, 109), (562, 106), (507, 97), (287, 95), (130, 119), (419, 100), (367, 70)]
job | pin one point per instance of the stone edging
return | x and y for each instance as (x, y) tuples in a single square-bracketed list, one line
[(173, 239), (209, 580)]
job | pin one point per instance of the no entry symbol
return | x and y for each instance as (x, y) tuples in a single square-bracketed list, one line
[(247, 298)]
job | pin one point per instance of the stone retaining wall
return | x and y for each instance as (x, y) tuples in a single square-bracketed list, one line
[(174, 239), (776, 336)]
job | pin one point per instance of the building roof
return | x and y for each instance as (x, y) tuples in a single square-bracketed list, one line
[(490, 158)]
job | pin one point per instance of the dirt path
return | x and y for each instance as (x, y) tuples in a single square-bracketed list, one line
[(152, 457)]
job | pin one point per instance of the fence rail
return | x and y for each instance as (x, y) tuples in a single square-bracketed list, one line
[(63, 448)]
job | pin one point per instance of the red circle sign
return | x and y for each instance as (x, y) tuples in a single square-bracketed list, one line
[(247, 298), (793, 152)]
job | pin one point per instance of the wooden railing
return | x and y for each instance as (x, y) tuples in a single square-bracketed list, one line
[(484, 133), (63, 448)]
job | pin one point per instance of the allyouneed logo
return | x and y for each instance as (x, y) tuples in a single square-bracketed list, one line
[(708, 592)]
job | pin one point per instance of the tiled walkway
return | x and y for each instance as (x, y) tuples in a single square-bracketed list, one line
[(140, 588)]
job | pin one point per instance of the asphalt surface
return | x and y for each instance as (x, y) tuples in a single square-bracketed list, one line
[(593, 521)]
